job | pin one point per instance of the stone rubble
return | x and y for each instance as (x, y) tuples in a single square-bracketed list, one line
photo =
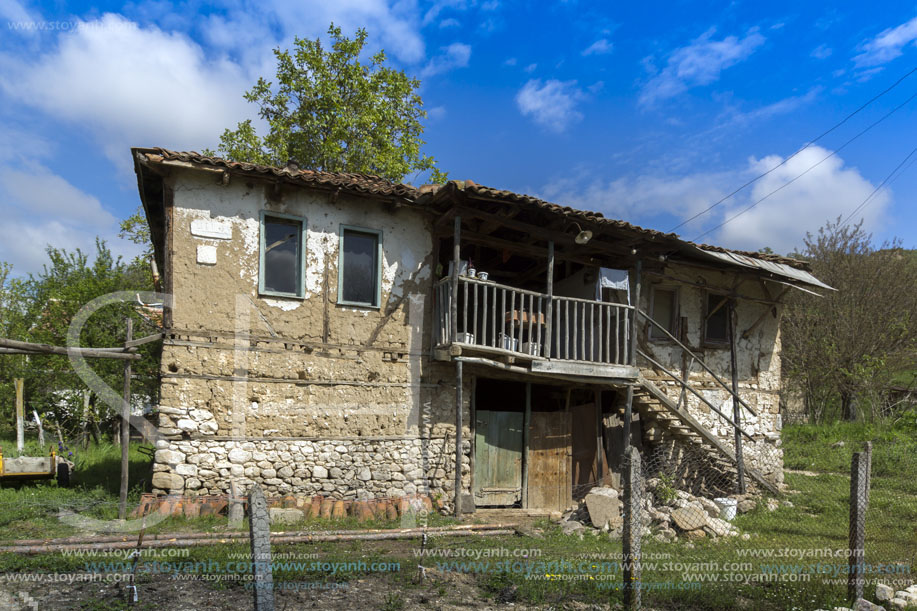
[(905, 598), (668, 514)]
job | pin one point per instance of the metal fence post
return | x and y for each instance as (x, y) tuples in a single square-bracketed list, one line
[(260, 532), (633, 527), (859, 475)]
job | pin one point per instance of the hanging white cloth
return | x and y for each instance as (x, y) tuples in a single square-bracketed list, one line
[(612, 279)]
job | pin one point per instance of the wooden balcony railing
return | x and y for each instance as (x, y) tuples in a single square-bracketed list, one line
[(500, 318)]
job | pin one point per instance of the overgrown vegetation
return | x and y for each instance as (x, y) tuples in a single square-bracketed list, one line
[(844, 353), (39, 308)]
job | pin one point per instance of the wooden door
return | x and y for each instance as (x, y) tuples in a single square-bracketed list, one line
[(586, 470), (549, 459), (497, 458)]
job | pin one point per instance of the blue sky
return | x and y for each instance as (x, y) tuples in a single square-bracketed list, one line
[(649, 112)]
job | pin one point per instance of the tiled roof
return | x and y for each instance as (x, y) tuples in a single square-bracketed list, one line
[(375, 185), (362, 183), (599, 219)]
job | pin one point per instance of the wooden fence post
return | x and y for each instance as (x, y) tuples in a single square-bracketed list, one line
[(125, 426), (867, 449), (633, 476), (859, 475), (260, 531), (20, 416)]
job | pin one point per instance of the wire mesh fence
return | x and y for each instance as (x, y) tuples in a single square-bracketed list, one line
[(830, 537)]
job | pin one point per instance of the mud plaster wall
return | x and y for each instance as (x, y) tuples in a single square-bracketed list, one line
[(758, 361), (302, 373)]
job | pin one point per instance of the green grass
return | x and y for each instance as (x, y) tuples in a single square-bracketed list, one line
[(30, 507), (816, 520)]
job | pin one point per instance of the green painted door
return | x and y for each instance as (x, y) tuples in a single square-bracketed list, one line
[(497, 458)]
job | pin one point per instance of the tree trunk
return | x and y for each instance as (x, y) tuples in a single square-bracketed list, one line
[(848, 409)]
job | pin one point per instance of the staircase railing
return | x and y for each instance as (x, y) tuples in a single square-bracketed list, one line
[(700, 362)]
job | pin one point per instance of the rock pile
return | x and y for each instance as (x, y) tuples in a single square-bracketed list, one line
[(668, 514), (905, 598)]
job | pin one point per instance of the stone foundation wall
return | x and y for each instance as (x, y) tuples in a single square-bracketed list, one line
[(345, 469)]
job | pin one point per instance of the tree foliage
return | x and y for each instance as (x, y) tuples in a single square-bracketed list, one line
[(40, 308), (330, 111), (845, 348)]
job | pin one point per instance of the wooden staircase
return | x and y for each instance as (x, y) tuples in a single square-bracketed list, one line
[(662, 415)]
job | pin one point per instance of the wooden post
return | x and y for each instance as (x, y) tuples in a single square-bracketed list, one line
[(867, 449), (632, 354), (526, 419), (549, 309), (41, 429), (632, 528), (259, 528), (20, 416), (453, 302), (859, 475), (736, 409), (458, 437), (125, 426)]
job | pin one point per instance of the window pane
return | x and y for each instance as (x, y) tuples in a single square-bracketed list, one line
[(717, 329), (663, 312), (282, 258), (359, 273)]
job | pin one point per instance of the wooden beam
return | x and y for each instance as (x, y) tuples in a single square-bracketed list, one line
[(526, 420), (549, 308), (20, 415), (125, 425), (751, 329), (144, 340), (31, 348), (632, 354), (458, 438)]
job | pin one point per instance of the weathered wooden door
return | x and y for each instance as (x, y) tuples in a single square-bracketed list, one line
[(549, 461), (497, 458), (586, 471)]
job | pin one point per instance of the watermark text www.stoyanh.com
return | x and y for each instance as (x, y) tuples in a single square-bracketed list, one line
[(64, 26)]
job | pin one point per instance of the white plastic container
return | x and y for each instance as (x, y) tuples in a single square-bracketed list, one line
[(727, 508)]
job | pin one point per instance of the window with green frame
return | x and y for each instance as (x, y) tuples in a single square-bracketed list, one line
[(282, 252), (360, 267)]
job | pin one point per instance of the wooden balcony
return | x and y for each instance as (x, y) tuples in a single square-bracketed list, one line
[(563, 336)]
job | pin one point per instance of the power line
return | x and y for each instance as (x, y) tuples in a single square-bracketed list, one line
[(807, 145), (879, 188), (809, 169)]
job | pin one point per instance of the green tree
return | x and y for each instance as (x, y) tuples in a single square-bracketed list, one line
[(843, 349), (50, 299), (329, 111)]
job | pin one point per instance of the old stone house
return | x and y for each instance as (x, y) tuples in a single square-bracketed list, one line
[(330, 334)]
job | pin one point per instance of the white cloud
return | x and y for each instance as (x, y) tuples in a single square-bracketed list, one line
[(599, 47), (10, 10), (131, 86), (699, 63), (510, 61), (782, 220), (822, 52), (451, 22), (454, 56), (552, 104), (41, 208), (887, 45), (530, 68), (638, 198)]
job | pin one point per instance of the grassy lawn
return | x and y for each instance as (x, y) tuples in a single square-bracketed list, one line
[(730, 573)]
